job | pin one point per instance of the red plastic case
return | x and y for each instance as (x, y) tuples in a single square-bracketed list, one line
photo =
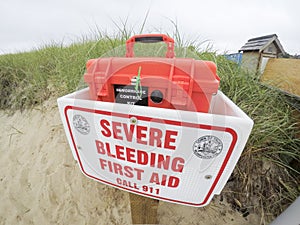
[(175, 83)]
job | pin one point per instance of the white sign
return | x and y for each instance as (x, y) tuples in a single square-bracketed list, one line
[(164, 157)]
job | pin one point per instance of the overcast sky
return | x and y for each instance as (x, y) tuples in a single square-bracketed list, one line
[(28, 24)]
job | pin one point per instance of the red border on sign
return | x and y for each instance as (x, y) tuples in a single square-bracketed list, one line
[(170, 122)]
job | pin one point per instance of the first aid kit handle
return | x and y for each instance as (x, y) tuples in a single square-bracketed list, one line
[(150, 38)]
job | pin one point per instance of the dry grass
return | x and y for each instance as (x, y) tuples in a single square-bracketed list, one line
[(283, 74)]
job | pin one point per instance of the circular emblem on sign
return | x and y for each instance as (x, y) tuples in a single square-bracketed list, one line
[(207, 147), (81, 124)]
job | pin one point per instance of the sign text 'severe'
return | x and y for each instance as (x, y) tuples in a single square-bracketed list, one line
[(141, 134)]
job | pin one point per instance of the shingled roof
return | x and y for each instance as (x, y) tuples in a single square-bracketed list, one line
[(261, 43)]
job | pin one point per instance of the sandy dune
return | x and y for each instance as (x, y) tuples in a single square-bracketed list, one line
[(42, 184)]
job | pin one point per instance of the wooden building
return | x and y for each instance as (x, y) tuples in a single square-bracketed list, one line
[(257, 51)]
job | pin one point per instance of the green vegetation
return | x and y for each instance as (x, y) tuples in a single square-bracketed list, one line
[(266, 178), (267, 175), (32, 77)]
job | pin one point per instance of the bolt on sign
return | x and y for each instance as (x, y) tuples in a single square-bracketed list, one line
[(155, 127)]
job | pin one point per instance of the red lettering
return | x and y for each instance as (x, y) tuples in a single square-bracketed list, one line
[(142, 157), (140, 133), (154, 178), (128, 171), (144, 135), (177, 164), (163, 162), (169, 139), (102, 163), (105, 124), (116, 127), (152, 159), (119, 181), (118, 168), (173, 182), (155, 136), (110, 166), (130, 155), (100, 147), (108, 150), (163, 180), (120, 152), (139, 173), (128, 133)]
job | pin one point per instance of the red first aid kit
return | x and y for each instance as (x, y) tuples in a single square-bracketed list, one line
[(174, 83)]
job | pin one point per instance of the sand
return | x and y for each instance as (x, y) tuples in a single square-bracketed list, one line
[(41, 183)]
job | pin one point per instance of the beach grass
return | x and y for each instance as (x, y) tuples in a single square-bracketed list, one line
[(266, 179)]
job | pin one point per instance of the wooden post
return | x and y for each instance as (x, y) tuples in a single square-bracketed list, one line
[(143, 210)]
